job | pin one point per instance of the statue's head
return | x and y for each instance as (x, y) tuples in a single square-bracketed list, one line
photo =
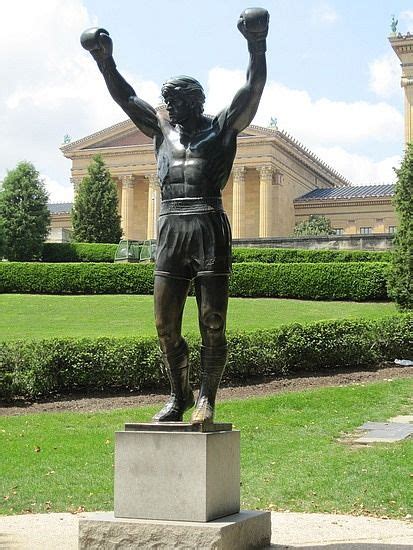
[(184, 97)]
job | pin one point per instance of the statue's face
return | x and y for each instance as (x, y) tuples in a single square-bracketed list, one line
[(178, 109)]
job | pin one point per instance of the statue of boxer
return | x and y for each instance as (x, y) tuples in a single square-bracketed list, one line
[(194, 155)]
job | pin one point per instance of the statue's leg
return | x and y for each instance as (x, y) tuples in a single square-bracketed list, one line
[(212, 299), (170, 295)]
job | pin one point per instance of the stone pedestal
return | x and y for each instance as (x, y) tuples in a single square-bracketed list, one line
[(177, 486), (183, 476), (243, 531)]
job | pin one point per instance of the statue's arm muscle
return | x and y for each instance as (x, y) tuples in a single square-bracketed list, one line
[(244, 106), (141, 113)]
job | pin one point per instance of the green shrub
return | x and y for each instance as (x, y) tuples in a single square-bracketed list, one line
[(95, 212), (400, 281), (293, 255), (93, 252), (76, 278), (329, 281), (79, 252), (41, 368)]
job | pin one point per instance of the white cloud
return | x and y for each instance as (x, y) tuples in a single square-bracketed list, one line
[(385, 75), (360, 169), (407, 16), (324, 13), (315, 122), (58, 192), (51, 87), (329, 128)]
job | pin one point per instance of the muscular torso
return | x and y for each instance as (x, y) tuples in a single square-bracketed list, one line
[(197, 164)]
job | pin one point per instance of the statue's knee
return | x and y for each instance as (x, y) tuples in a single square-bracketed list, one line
[(214, 322)]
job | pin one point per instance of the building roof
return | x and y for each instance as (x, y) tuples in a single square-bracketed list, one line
[(346, 193), (60, 207)]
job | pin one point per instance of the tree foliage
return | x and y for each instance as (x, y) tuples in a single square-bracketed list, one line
[(2, 238), (24, 213), (315, 225), (400, 285), (95, 215)]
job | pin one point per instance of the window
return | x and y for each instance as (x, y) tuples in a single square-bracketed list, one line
[(338, 230), (366, 230), (392, 229)]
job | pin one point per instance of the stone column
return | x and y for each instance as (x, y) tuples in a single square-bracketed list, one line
[(403, 47), (127, 204), (265, 222), (153, 205), (238, 202), (407, 84), (277, 214)]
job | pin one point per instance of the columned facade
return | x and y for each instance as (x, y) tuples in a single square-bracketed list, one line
[(270, 170)]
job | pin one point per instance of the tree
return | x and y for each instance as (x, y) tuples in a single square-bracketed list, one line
[(23, 209), (2, 238), (95, 215), (400, 281), (315, 225)]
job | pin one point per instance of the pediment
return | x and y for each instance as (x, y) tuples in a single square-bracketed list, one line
[(126, 134), (126, 138)]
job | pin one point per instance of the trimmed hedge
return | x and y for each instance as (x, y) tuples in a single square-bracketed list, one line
[(329, 281), (97, 252), (293, 255), (76, 278), (79, 252), (40, 368)]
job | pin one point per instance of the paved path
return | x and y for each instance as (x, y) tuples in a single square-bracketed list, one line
[(289, 531)]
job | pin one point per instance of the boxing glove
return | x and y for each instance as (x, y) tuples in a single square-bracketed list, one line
[(253, 24), (98, 42)]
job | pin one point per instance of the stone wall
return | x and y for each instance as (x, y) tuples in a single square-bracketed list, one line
[(379, 241)]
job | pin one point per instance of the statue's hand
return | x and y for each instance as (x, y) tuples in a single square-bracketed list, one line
[(253, 24), (98, 43)]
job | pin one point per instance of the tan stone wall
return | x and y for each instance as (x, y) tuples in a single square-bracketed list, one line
[(252, 203), (140, 209), (227, 199), (60, 221), (351, 216)]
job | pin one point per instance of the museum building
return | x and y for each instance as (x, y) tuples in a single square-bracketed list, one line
[(275, 183)]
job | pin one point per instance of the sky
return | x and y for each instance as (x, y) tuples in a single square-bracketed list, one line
[(333, 79)]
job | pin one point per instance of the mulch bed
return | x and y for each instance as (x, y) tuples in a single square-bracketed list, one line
[(252, 388)]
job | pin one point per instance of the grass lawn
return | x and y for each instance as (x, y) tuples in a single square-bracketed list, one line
[(40, 316), (291, 458)]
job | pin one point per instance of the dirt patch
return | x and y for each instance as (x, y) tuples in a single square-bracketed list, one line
[(253, 388)]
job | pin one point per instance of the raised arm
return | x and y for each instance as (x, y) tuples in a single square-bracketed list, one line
[(99, 44), (253, 24)]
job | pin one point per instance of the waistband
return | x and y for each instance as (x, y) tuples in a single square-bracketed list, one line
[(191, 205)]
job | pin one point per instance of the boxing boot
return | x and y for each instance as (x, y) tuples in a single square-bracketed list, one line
[(182, 397), (213, 361)]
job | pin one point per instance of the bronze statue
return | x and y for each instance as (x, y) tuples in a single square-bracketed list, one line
[(194, 154)]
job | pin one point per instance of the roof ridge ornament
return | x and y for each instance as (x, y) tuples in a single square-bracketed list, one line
[(393, 25)]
